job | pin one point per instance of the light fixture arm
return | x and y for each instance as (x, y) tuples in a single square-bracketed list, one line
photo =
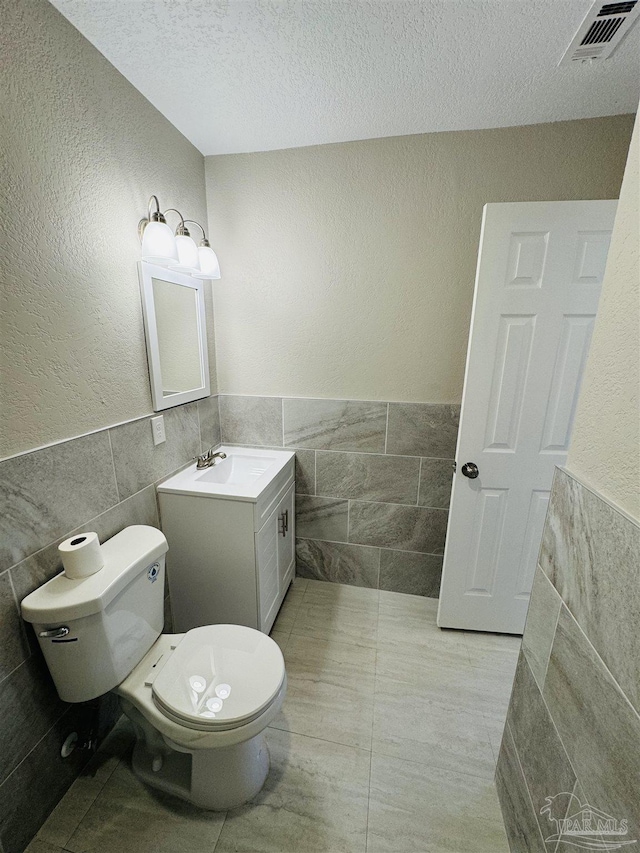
[(152, 216), (204, 241), (181, 230)]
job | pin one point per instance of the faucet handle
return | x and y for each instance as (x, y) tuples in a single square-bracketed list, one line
[(203, 459)]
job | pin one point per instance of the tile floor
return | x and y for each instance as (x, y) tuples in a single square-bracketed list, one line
[(387, 741)]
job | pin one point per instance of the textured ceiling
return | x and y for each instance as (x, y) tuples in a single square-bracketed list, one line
[(255, 75)]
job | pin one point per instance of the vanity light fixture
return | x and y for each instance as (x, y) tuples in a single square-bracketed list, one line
[(209, 266), (158, 243), (178, 252), (188, 261)]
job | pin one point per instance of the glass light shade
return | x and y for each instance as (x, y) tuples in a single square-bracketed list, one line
[(188, 261), (209, 266), (159, 244)]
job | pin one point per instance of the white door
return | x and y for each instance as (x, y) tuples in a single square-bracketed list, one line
[(540, 269)]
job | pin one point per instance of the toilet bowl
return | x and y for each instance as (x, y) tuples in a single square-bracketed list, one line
[(199, 702), (216, 759)]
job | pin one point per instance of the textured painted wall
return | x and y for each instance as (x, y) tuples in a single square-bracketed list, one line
[(81, 150), (605, 448), (349, 269)]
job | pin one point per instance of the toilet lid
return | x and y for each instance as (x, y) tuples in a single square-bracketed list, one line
[(219, 677)]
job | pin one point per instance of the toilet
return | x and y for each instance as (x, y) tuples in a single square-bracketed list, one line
[(199, 701)]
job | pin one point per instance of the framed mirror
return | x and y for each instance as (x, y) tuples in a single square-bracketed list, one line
[(176, 335)]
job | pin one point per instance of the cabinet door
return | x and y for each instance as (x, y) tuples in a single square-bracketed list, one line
[(286, 539), (268, 570)]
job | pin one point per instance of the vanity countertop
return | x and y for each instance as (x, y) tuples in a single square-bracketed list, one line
[(242, 476)]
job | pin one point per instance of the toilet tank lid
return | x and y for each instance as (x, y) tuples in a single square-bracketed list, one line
[(125, 554)]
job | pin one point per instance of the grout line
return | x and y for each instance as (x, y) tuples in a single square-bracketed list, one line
[(89, 521), (282, 417), (524, 780), (366, 834), (8, 675), (602, 662), (315, 472), (381, 503), (315, 737), (360, 545), (23, 628), (35, 746), (550, 716), (85, 812), (360, 501), (386, 430), (224, 820), (553, 636), (371, 453), (419, 482), (199, 425), (113, 465), (51, 444), (218, 395), (368, 453)]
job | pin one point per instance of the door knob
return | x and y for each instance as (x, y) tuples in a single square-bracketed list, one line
[(470, 470)]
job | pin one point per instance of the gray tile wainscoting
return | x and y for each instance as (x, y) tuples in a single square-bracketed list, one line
[(334, 424), (251, 420), (373, 481), (103, 481), (573, 725)]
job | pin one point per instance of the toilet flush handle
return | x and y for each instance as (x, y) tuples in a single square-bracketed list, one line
[(55, 633)]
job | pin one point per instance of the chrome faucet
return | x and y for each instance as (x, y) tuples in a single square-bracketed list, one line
[(206, 460)]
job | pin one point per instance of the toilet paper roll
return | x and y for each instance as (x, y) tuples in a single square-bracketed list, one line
[(81, 555)]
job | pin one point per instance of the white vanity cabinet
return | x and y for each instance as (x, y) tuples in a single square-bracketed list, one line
[(231, 558)]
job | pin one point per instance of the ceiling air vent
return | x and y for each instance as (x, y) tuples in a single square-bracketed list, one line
[(602, 31)]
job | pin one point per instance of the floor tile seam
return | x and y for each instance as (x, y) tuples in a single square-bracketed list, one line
[(321, 739), (508, 676), (470, 711), (484, 719), (335, 683), (326, 639), (85, 812), (224, 820), (331, 638), (366, 833), (324, 595), (432, 765)]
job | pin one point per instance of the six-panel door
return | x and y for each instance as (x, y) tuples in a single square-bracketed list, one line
[(540, 269)]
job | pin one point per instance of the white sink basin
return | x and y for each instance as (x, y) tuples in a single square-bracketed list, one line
[(237, 470), (243, 475)]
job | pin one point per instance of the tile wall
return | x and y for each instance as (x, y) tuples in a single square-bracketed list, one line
[(372, 480), (103, 482), (573, 726)]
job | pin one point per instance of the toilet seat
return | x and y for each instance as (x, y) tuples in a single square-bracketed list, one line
[(218, 677)]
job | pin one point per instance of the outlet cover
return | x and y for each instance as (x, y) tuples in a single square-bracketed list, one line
[(157, 429)]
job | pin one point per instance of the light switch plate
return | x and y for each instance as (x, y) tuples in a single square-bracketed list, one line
[(157, 429)]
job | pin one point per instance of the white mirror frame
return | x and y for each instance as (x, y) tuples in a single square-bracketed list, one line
[(147, 272)]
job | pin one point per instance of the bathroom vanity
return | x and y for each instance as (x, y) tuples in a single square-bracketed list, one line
[(231, 534)]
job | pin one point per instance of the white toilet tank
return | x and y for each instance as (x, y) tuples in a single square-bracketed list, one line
[(98, 628)]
